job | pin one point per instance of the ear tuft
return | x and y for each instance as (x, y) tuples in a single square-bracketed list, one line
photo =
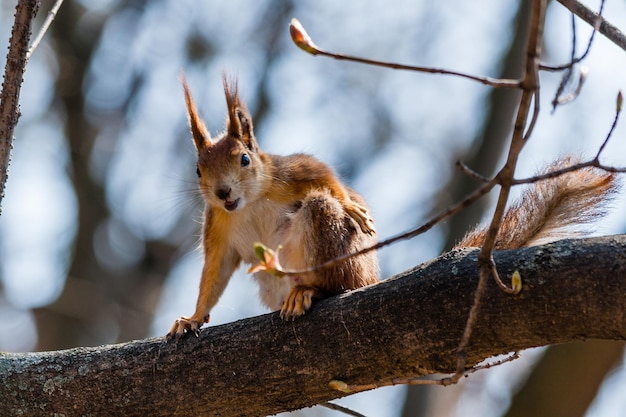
[(199, 132), (239, 120)]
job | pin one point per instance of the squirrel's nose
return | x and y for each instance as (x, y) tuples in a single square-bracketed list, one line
[(222, 193)]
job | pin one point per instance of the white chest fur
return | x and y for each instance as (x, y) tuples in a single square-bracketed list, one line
[(266, 222)]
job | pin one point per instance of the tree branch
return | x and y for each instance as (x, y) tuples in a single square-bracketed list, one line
[(303, 41), (25, 11), (405, 326), (44, 28)]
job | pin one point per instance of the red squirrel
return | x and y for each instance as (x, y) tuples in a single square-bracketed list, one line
[(297, 201), (294, 201)]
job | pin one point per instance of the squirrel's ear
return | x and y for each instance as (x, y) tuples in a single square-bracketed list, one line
[(239, 120), (201, 136)]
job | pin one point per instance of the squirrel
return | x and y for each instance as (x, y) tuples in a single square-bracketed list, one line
[(296, 201)]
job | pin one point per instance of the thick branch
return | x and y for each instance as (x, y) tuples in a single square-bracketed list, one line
[(405, 326)]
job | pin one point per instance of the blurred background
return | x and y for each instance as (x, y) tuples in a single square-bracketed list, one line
[(100, 223)]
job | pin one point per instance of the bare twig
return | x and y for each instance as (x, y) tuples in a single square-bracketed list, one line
[(597, 21), (568, 98), (618, 109), (522, 132), (595, 162), (471, 173), (611, 32), (44, 28), (301, 38), (535, 116), (557, 173), (559, 98), (566, 78), (345, 410), (25, 11), (530, 88), (446, 381)]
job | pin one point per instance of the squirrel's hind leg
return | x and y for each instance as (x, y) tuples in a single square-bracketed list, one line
[(322, 230)]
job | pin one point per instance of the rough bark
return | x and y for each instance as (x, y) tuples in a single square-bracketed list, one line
[(404, 326)]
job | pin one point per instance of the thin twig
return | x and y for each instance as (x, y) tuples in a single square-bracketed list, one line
[(301, 38), (521, 134), (595, 162), (530, 88), (596, 27), (557, 173), (536, 108), (565, 79), (44, 28), (568, 98), (446, 381), (559, 98), (345, 410), (493, 82), (610, 31), (618, 110), (471, 173), (597, 21)]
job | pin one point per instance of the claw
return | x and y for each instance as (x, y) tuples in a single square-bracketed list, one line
[(185, 325), (298, 301), (361, 216)]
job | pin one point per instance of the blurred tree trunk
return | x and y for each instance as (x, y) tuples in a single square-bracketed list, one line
[(97, 305), (566, 379), (61, 324), (487, 148)]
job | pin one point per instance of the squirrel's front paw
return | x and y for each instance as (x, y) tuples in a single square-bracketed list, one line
[(362, 216), (185, 325), (298, 301)]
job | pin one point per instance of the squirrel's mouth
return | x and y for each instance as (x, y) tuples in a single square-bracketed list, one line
[(231, 205)]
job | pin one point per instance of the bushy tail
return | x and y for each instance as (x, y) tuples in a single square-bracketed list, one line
[(553, 209)]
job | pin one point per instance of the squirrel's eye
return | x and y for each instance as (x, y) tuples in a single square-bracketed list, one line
[(198, 172), (245, 160)]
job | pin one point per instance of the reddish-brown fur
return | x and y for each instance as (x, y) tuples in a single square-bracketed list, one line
[(295, 201), (552, 209)]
